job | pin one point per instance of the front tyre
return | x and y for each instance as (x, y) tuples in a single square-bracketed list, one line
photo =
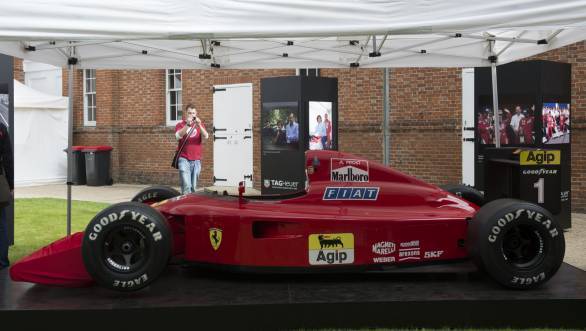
[(518, 243), (465, 192), (126, 246)]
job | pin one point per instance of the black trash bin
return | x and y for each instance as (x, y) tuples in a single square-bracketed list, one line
[(97, 165), (77, 165)]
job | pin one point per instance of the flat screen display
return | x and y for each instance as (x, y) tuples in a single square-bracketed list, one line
[(320, 125), (556, 123), (4, 105), (280, 126), (517, 124)]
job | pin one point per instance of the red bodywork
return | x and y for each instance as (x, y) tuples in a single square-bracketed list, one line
[(407, 214), (406, 221)]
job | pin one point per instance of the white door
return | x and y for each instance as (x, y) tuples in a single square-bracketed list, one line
[(232, 134), (468, 126)]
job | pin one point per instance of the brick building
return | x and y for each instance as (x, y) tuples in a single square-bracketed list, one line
[(131, 115)]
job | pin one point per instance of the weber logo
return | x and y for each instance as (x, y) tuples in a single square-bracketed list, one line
[(331, 248), (351, 193), (346, 170)]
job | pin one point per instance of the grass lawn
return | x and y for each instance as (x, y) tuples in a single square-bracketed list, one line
[(40, 221)]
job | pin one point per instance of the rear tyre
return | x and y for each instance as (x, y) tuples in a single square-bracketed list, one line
[(154, 194), (467, 193), (518, 243), (126, 246)]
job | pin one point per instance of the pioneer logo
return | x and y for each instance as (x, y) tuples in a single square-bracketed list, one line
[(345, 170)]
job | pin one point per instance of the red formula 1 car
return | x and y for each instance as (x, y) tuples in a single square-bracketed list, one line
[(353, 214)]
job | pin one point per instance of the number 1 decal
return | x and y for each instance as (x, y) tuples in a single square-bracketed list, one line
[(540, 186)]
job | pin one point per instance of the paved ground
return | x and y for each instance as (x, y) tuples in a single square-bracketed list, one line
[(575, 237)]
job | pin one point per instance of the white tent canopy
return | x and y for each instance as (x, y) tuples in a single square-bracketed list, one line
[(40, 137), (286, 34)]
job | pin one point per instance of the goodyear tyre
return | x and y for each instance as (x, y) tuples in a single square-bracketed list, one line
[(468, 193), (126, 246), (518, 243), (154, 194)]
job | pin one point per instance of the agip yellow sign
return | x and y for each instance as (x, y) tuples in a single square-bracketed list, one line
[(540, 157)]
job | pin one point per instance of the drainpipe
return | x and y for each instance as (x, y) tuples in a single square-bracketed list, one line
[(386, 112)]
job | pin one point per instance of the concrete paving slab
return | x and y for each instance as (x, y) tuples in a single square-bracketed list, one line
[(109, 194)]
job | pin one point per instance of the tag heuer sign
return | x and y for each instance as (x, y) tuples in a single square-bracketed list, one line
[(540, 157), (267, 183), (347, 170)]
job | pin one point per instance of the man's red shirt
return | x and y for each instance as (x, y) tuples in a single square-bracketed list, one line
[(192, 149)]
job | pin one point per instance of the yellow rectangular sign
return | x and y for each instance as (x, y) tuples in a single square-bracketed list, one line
[(331, 241), (535, 157)]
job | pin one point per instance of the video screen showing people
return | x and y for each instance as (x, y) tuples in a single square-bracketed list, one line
[(4, 105), (320, 125), (280, 130), (517, 124), (556, 123)]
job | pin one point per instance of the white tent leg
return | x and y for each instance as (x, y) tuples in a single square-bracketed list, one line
[(495, 105), (69, 141), (495, 94)]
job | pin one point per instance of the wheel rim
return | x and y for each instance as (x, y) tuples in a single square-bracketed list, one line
[(523, 246), (125, 249)]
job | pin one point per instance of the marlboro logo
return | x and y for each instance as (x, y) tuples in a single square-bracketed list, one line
[(346, 170)]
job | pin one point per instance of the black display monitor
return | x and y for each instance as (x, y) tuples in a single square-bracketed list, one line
[(320, 130), (556, 123)]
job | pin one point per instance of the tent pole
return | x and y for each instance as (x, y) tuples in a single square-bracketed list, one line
[(386, 110), (71, 67), (495, 104), (495, 96)]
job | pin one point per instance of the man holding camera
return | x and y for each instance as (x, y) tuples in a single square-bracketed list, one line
[(189, 163)]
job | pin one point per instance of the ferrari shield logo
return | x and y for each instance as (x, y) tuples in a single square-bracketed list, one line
[(215, 238)]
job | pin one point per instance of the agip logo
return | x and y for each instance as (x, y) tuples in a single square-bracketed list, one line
[(346, 170), (540, 157), (331, 248)]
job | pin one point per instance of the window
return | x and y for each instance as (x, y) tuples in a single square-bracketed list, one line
[(89, 97), (174, 104), (314, 72)]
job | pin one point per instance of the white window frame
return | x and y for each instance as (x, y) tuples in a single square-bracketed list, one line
[(168, 91), (86, 121), (298, 72)]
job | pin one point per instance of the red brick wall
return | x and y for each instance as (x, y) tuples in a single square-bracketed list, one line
[(576, 55), (18, 70), (425, 115), (360, 111)]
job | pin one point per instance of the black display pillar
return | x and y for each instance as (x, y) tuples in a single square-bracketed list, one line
[(298, 113), (7, 117), (534, 107)]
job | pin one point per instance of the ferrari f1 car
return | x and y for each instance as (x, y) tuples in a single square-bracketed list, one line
[(353, 214)]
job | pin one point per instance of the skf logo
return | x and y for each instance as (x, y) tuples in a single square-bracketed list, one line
[(432, 254), (331, 248), (215, 238), (540, 157), (345, 170)]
